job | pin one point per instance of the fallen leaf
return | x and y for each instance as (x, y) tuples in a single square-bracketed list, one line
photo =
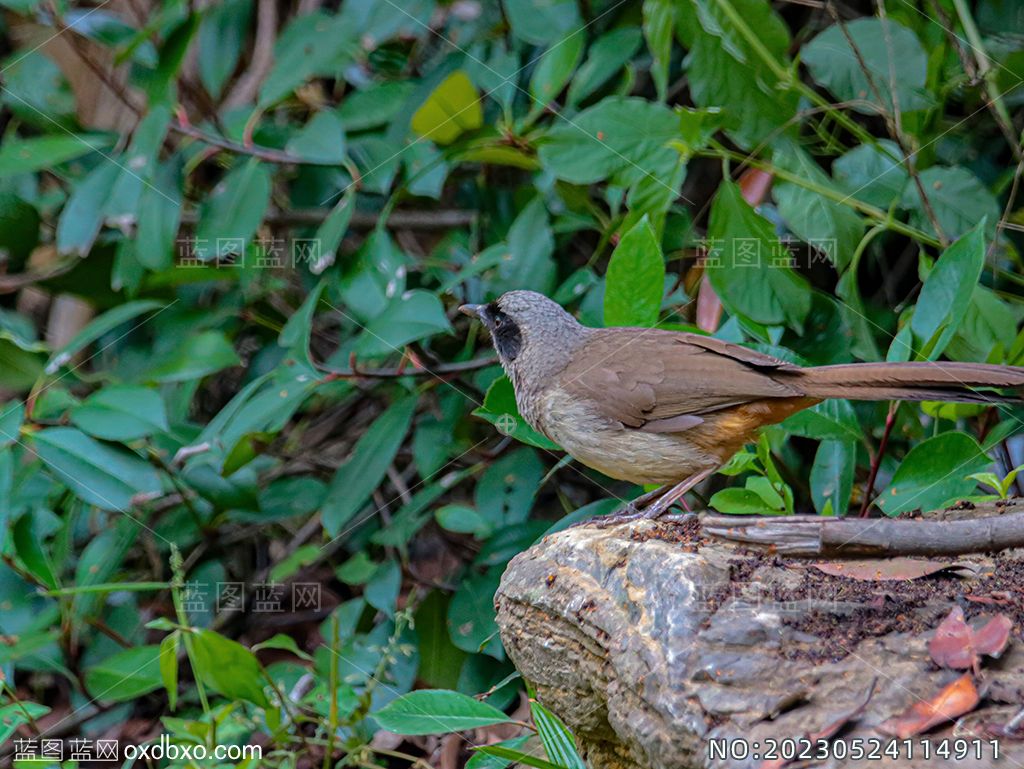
[(958, 646), (885, 569), (955, 700)]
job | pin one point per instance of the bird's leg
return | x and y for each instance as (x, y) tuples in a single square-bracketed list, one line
[(653, 504), (673, 495)]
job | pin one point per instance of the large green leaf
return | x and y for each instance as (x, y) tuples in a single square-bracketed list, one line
[(121, 413), (555, 68), (635, 281), (321, 140), (934, 472), (99, 327), (436, 711), (97, 472), (831, 228), (832, 475), (412, 316), (228, 667), (607, 55), (615, 134), (501, 411), (895, 60), (542, 22), (745, 269), (233, 211), (557, 739), (126, 675), (19, 156), (355, 480), (947, 293), (197, 356), (958, 199)]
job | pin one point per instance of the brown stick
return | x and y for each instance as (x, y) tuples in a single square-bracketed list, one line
[(434, 219), (814, 537)]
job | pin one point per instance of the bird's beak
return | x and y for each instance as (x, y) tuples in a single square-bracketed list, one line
[(473, 310)]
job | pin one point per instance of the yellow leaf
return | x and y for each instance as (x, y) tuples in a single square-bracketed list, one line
[(452, 109)]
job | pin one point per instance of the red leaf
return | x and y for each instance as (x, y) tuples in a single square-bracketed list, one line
[(956, 645), (754, 186), (955, 700)]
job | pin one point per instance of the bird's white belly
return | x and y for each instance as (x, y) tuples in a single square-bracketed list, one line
[(617, 451)]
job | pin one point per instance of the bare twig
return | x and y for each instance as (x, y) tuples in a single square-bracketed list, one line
[(248, 85), (876, 462), (354, 372), (805, 536), (436, 219)]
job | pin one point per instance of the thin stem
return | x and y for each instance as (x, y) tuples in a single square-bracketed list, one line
[(890, 421)]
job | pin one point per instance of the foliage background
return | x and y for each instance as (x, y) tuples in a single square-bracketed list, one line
[(234, 237)]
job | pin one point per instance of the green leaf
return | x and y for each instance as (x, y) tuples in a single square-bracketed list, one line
[(501, 411), (222, 36), (451, 109), (736, 501), (126, 675), (471, 615), (12, 416), (197, 356), (635, 280), (543, 22), (607, 55), (284, 643), (947, 293), (381, 592), (410, 317), (724, 71), (617, 133), (833, 419), (333, 229), (355, 480), (659, 26), (159, 214), (505, 493), (436, 711), (462, 520), (832, 475), (870, 175), (512, 755), (82, 217), (121, 413), (30, 550), (744, 272), (233, 211), (321, 140), (169, 667), (832, 228), (531, 244), (957, 197), (312, 44), (19, 229), (19, 156), (933, 473), (97, 472), (228, 667), (554, 69), (440, 661), (557, 739), (895, 60), (16, 715), (98, 327)]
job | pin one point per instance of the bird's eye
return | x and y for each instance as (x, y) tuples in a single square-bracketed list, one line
[(497, 322)]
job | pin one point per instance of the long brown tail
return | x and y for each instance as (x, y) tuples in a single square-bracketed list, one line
[(914, 381)]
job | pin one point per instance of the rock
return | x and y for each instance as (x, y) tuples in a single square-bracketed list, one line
[(653, 643)]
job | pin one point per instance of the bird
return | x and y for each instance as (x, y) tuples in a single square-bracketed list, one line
[(664, 407)]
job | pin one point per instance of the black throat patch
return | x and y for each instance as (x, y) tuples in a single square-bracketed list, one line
[(508, 339)]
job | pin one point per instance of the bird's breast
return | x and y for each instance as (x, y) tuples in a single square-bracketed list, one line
[(618, 452)]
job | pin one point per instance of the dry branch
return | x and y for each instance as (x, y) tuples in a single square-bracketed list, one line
[(815, 537)]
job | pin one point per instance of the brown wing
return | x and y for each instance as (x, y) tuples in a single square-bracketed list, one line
[(665, 381)]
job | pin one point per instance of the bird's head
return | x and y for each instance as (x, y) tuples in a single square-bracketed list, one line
[(531, 333)]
